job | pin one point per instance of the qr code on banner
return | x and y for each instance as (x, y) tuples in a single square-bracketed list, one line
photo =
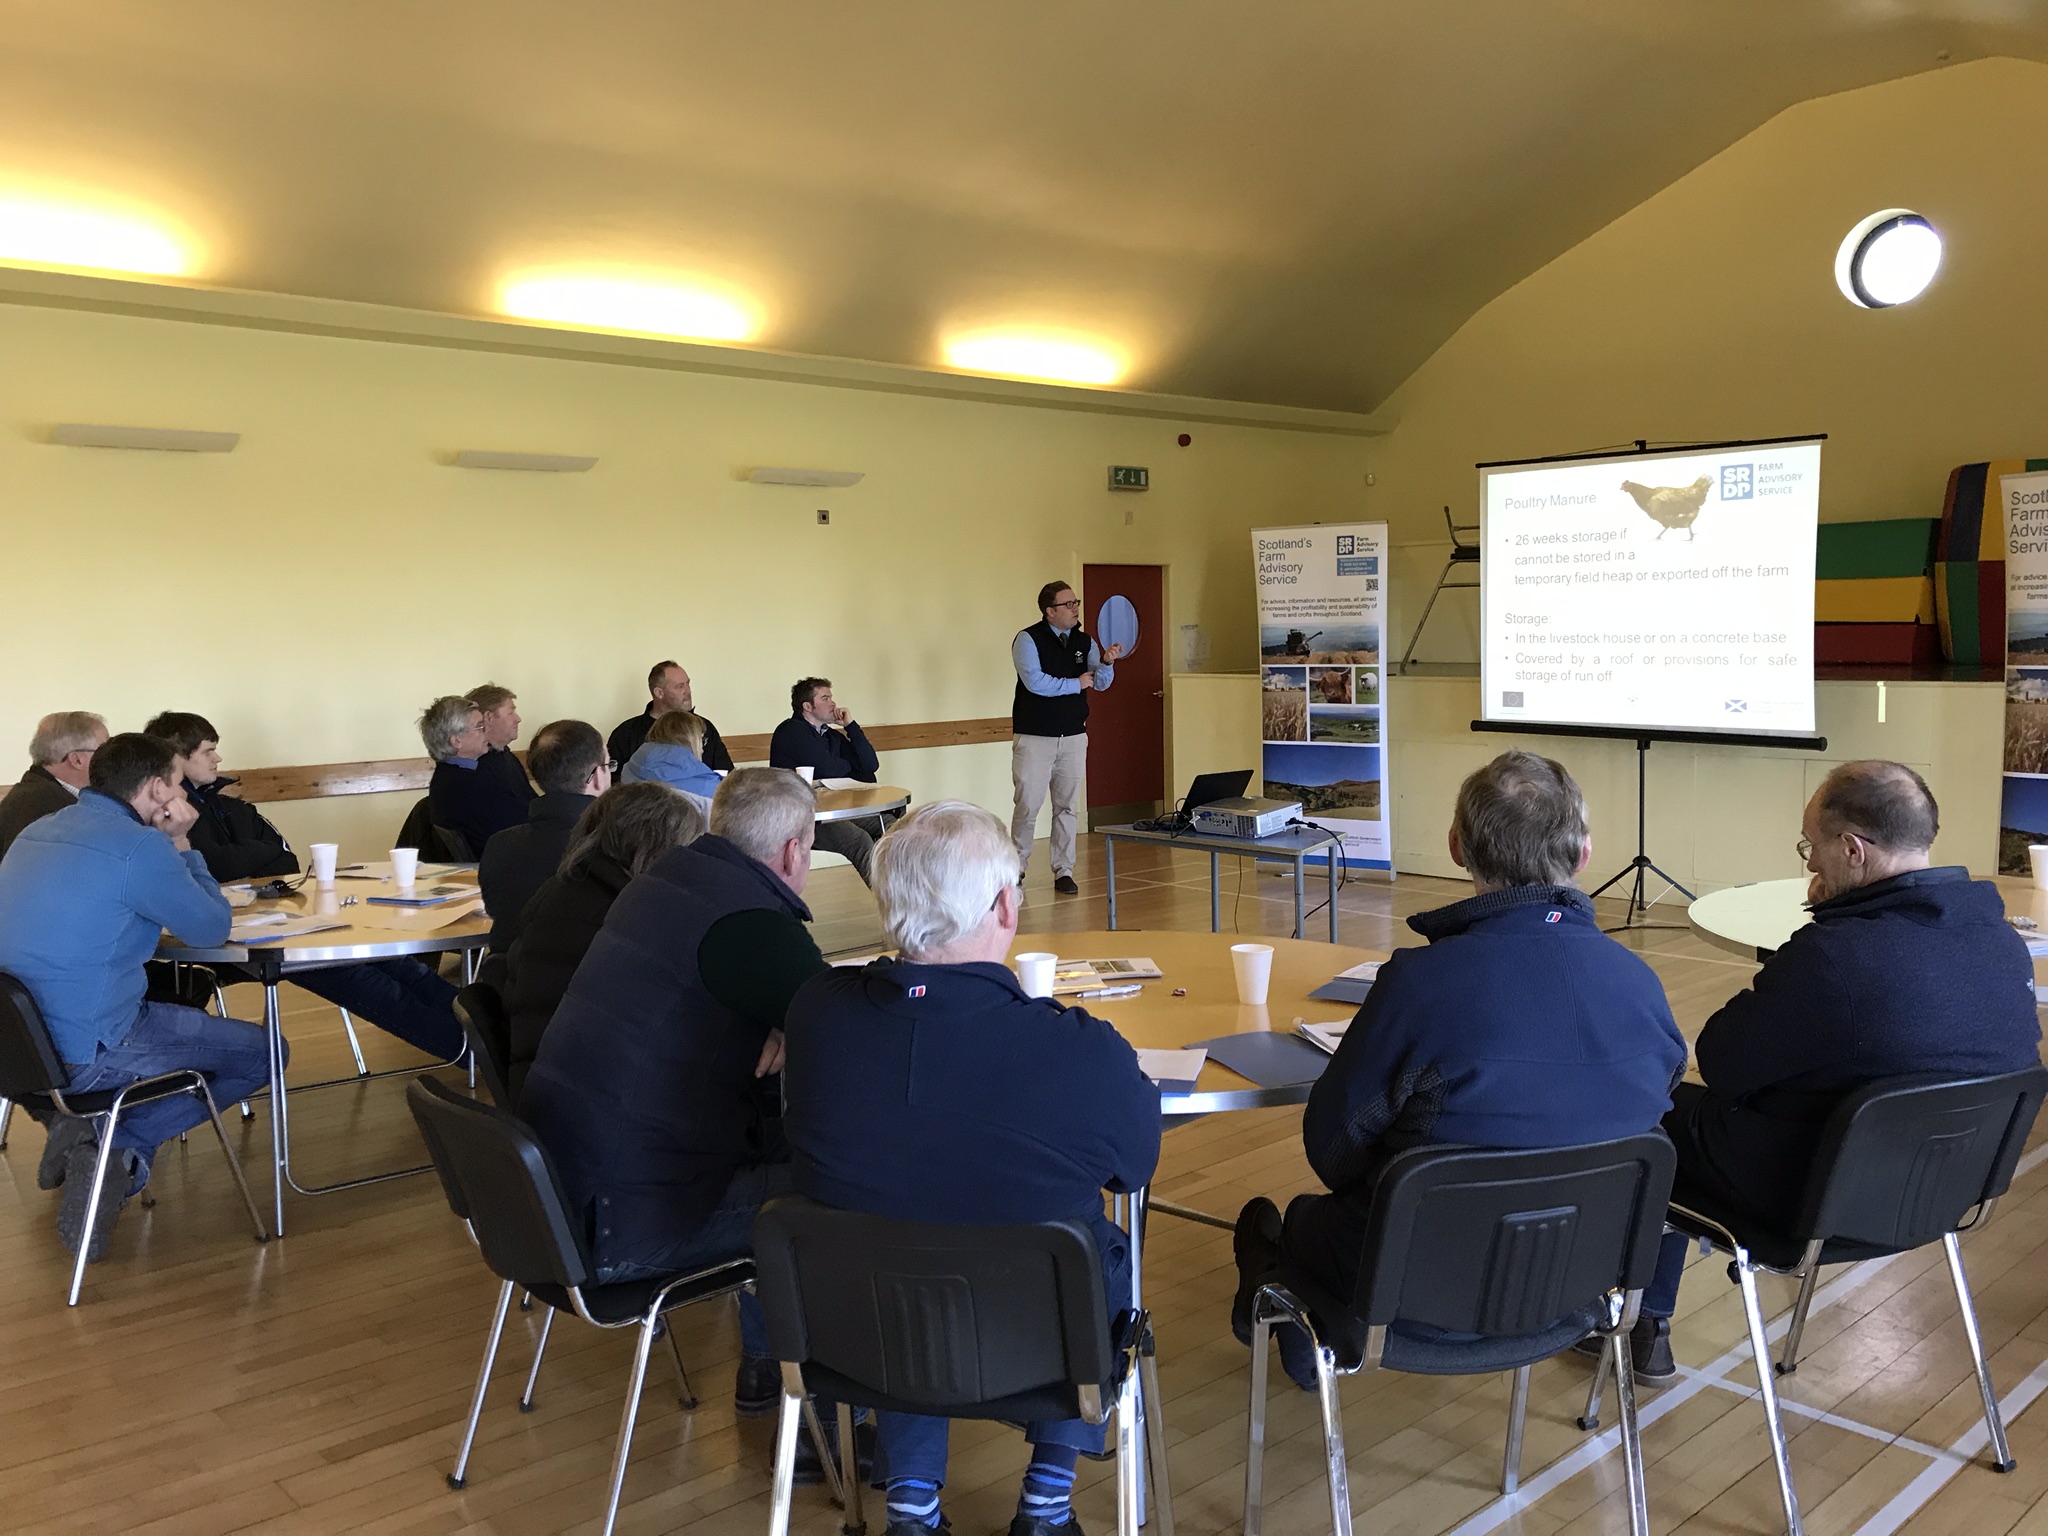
[(1347, 544)]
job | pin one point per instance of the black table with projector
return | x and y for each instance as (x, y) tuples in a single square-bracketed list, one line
[(1216, 819)]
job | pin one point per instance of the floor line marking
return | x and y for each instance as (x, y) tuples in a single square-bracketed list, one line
[(1909, 1500)]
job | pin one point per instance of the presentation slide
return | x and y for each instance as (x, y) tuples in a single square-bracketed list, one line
[(1652, 591)]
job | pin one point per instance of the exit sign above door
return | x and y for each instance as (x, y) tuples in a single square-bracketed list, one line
[(1129, 477)]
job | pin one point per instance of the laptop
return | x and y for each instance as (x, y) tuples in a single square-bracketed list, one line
[(1207, 789)]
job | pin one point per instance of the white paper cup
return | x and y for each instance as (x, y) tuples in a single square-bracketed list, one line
[(2037, 856), (808, 774), (1254, 966), (405, 865), (1034, 971), (324, 855)]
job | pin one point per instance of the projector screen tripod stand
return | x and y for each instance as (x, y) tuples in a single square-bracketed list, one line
[(1640, 867)]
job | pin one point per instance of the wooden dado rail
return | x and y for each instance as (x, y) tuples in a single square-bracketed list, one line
[(316, 781)]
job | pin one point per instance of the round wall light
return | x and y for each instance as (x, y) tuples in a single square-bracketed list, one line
[(1887, 259)]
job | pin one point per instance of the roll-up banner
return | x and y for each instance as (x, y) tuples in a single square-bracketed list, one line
[(1322, 679), (2023, 818)]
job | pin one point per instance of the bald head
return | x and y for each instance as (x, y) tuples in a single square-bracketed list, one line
[(1867, 822)]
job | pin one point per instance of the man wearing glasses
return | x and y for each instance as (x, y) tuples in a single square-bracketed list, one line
[(1906, 967), (1057, 665), (60, 765)]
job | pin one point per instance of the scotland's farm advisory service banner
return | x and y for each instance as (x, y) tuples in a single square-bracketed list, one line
[(2023, 819), (1322, 618)]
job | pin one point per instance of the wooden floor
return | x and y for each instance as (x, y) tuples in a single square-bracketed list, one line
[(317, 1383)]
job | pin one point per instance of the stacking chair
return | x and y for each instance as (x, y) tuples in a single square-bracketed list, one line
[(956, 1322), (32, 1073), (1524, 1253), (500, 1181), (1464, 551), (1902, 1163), (481, 1008)]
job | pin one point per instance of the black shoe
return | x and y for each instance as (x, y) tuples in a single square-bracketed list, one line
[(1256, 1244), (810, 1472), (1064, 884), (1030, 1525), (756, 1386), (918, 1527), (1649, 1348), (75, 1224), (65, 1132)]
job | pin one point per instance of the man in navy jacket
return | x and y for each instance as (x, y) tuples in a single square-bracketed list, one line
[(1905, 968), (821, 736), (85, 895), (932, 1089), (463, 795), (1520, 1025)]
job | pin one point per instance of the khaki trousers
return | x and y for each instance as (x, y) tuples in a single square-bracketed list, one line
[(1039, 763)]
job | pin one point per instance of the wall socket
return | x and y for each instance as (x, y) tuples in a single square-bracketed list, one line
[(824, 516)]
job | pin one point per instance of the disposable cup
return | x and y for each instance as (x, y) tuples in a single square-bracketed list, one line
[(324, 855), (1253, 964), (2037, 856), (405, 865), (807, 773), (1034, 971)]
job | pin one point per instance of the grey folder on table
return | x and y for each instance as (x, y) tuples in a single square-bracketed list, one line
[(1270, 1059)]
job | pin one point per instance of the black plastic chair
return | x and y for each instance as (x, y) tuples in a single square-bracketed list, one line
[(437, 844), (32, 1074), (1464, 551), (960, 1322), (1903, 1162), (489, 1031), (500, 1180), (1529, 1250)]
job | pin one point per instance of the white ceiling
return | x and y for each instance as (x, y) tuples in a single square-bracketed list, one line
[(1288, 202)]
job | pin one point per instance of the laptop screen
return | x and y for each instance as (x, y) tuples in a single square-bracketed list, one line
[(1208, 788)]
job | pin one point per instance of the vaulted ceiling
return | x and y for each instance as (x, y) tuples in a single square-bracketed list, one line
[(1293, 201)]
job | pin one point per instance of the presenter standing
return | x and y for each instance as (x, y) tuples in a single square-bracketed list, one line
[(1057, 665)]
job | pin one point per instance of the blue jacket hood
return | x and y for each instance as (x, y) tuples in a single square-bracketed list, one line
[(672, 764)]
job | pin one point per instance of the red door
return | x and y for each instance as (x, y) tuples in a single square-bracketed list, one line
[(1127, 724)]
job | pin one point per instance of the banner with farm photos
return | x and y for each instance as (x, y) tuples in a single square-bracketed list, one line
[(1322, 677), (2023, 818)]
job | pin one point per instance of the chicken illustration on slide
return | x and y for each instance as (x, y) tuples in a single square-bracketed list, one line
[(1671, 506)]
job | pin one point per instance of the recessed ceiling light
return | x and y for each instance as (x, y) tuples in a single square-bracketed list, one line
[(49, 232), (1035, 355), (1887, 259), (652, 306)]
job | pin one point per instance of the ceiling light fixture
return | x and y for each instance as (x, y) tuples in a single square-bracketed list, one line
[(1035, 355), (649, 306), (1888, 259), (79, 434), (772, 475), (37, 232), (544, 463)]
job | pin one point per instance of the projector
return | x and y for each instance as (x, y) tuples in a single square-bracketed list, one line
[(1245, 818)]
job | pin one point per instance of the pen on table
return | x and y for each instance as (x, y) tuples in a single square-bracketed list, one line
[(1128, 991)]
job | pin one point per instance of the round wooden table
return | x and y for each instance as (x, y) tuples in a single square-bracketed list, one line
[(1155, 1019), (1753, 920), (868, 800)]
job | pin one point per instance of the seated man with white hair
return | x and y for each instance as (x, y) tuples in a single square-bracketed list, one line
[(59, 766), (930, 1088)]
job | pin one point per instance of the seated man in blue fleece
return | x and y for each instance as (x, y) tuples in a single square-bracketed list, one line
[(85, 894), (825, 738), (1905, 968), (464, 797), (1519, 1025), (931, 1088)]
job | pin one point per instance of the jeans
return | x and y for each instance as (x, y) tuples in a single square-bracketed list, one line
[(168, 1038), (728, 1233), (1660, 1297), (401, 997)]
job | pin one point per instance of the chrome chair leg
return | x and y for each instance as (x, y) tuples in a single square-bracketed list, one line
[(1788, 1360), (1760, 1350), (540, 1350), (1590, 1419), (355, 1046), (1152, 1412), (2001, 1453), (234, 1163), (1255, 1440), (6, 1119), (684, 1395), (826, 1460), (1518, 1415), (92, 1204), (853, 1522), (628, 1417), (1127, 1468), (1620, 1354), (459, 1477), (788, 1425), (1333, 1438)]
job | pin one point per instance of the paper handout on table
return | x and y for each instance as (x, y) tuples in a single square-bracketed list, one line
[(424, 919), (843, 784), (1071, 976), (272, 927), (1324, 1037), (1173, 1071), (425, 896), (1349, 986)]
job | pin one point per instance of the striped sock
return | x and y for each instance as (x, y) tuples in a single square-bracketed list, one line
[(914, 1498), (1049, 1485)]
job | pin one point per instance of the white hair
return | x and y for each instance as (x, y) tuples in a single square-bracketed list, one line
[(58, 736), (442, 721), (938, 872), (758, 810)]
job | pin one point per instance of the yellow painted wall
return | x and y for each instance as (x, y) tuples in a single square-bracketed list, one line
[(1710, 312), (313, 589)]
